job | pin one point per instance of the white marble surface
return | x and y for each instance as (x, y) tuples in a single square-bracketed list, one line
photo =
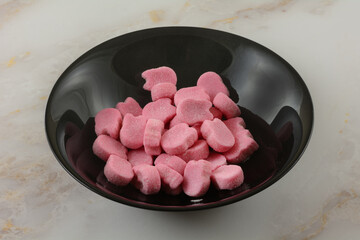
[(318, 199)]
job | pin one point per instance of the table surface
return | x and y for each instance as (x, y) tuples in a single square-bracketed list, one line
[(317, 199)]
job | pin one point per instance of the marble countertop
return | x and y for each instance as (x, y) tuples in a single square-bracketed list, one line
[(318, 199)]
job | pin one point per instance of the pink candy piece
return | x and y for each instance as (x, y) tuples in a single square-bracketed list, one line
[(118, 171), (216, 159), (182, 167), (227, 177), (216, 113), (108, 122), (235, 125), (173, 162), (160, 109), (147, 179), (174, 121), (178, 139), (217, 135), (163, 90), (158, 75), (131, 106), (139, 156), (132, 131), (152, 136), (193, 111), (104, 146), (171, 180), (212, 84), (226, 106), (200, 150), (190, 92), (244, 146), (197, 178)]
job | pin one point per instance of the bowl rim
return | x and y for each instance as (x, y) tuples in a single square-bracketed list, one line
[(201, 206)]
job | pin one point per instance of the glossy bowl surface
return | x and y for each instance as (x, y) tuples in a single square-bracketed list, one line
[(275, 104)]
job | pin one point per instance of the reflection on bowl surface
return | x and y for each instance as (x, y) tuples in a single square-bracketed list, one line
[(274, 100)]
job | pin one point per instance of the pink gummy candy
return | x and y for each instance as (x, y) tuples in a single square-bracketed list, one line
[(217, 135), (163, 90), (244, 146), (200, 150), (129, 137), (152, 136), (158, 75), (173, 162), (130, 105), (216, 112), (226, 106), (235, 125), (171, 180), (139, 156), (212, 84), (160, 109), (108, 122), (193, 111), (227, 177), (197, 178), (104, 146), (216, 159), (132, 131), (178, 139), (147, 179), (174, 121), (190, 92), (118, 171)]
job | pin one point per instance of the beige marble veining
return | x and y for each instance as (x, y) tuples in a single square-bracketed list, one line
[(318, 199)]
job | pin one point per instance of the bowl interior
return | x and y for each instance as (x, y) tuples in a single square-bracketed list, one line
[(274, 100)]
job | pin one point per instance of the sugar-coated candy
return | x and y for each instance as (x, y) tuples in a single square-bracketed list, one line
[(216, 159), (178, 139), (131, 106), (118, 171), (227, 177), (195, 93), (200, 150), (139, 156), (212, 84), (226, 105), (163, 90), (193, 111), (171, 161), (104, 146), (217, 135), (147, 179), (152, 136), (158, 75), (171, 180), (108, 122), (160, 109), (132, 131), (197, 175), (244, 146)]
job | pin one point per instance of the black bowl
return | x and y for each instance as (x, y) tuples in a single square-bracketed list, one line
[(274, 100)]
